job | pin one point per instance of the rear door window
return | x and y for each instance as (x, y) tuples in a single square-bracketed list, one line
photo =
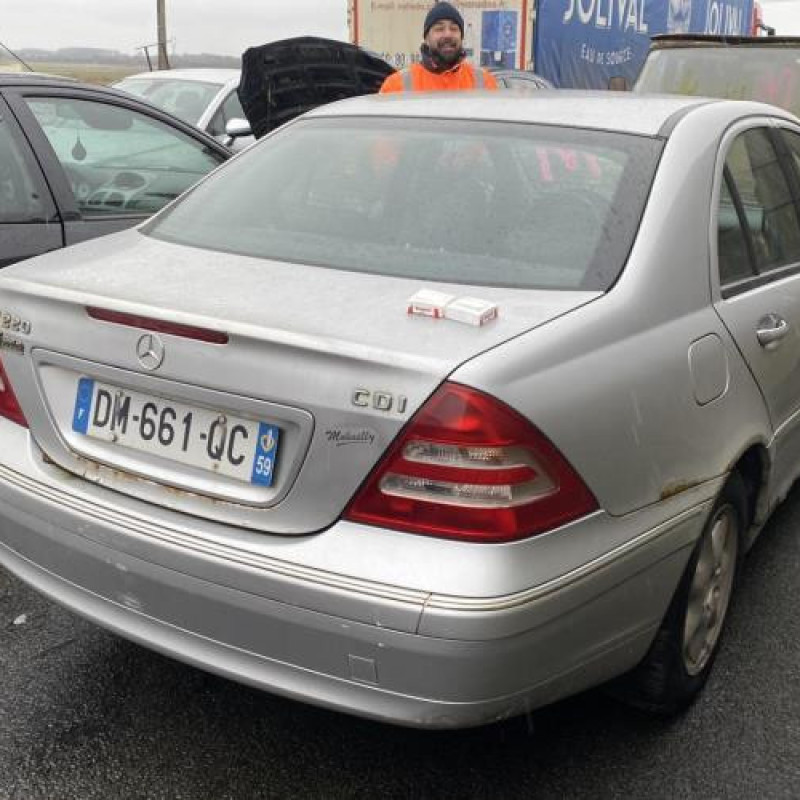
[(758, 223), (792, 140), (733, 247), (20, 197), (29, 223)]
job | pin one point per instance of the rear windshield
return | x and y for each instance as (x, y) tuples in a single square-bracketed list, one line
[(185, 99), (464, 202), (768, 74)]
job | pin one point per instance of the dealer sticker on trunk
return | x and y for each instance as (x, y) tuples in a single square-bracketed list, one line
[(215, 441)]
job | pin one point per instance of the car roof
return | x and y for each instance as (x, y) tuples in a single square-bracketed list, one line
[(695, 39), (40, 79), (199, 74), (603, 110), (36, 78)]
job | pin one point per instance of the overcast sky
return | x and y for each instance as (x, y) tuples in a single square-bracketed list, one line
[(783, 15), (209, 26), (227, 27)]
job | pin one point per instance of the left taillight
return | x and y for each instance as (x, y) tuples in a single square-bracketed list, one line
[(9, 405)]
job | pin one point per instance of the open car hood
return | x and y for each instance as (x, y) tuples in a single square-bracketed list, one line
[(284, 79)]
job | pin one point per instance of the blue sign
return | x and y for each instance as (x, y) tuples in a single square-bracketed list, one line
[(499, 39), (582, 44)]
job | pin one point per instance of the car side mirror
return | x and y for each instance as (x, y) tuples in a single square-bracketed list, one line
[(236, 128)]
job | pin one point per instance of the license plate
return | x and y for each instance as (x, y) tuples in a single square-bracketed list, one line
[(221, 443)]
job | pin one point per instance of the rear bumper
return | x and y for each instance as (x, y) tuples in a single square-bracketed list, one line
[(397, 654)]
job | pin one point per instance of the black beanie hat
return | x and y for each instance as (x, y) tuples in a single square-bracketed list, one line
[(442, 11)]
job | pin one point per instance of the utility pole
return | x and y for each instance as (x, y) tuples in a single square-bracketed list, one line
[(163, 59)]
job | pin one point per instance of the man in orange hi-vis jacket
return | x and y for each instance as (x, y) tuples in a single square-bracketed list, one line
[(444, 65)]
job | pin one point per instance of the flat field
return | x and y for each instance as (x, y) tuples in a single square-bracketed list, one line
[(90, 73)]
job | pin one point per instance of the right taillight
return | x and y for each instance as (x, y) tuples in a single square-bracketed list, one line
[(469, 467), (9, 406)]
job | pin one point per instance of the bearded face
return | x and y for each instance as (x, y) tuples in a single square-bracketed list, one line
[(445, 41)]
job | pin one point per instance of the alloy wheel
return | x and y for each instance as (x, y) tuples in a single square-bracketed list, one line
[(710, 590)]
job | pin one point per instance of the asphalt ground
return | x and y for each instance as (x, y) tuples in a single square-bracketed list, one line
[(84, 715)]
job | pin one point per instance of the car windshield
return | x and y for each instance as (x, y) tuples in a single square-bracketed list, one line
[(456, 201), (185, 99), (769, 74)]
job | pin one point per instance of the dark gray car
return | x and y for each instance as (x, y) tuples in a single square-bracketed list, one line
[(79, 161)]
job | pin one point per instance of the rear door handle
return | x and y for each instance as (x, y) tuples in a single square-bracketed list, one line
[(770, 330)]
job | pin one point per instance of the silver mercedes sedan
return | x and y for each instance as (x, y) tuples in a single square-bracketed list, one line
[(428, 409)]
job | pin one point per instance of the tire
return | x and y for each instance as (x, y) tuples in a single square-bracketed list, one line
[(679, 661)]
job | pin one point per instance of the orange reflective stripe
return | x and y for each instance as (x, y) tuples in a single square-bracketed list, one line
[(416, 78)]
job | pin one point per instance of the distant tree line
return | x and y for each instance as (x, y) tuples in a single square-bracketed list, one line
[(95, 55)]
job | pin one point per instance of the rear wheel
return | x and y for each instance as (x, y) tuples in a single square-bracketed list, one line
[(683, 651)]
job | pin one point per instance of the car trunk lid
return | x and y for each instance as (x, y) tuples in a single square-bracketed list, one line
[(312, 369)]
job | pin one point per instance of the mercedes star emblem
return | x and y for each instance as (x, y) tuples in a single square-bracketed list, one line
[(150, 351)]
